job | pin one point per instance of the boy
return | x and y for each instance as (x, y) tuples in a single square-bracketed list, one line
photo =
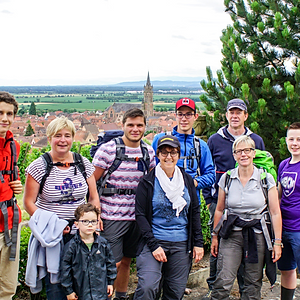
[(88, 268), (10, 214), (289, 193)]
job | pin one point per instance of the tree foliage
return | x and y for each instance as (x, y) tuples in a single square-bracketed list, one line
[(29, 130), (260, 65), (32, 109)]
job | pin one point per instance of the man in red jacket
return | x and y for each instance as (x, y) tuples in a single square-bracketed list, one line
[(10, 214)]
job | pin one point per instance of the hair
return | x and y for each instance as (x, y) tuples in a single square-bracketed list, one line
[(295, 125), (85, 208), (243, 139), (9, 99), (166, 146), (58, 124), (133, 113)]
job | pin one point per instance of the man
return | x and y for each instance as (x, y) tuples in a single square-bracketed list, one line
[(202, 171), (10, 214), (220, 145), (118, 210)]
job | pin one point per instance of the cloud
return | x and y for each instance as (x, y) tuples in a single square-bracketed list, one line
[(5, 11), (180, 37)]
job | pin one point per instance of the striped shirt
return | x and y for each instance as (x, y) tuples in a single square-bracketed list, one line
[(127, 176), (63, 191)]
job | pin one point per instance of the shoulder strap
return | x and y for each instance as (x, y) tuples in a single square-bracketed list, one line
[(14, 168), (197, 147), (228, 180), (264, 183), (49, 165), (79, 164), (146, 157)]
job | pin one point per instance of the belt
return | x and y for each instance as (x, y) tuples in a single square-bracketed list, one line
[(112, 191)]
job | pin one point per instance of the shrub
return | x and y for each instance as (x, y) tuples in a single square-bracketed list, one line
[(204, 216)]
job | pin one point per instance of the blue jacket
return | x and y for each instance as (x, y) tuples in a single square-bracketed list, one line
[(85, 272), (220, 145), (207, 169)]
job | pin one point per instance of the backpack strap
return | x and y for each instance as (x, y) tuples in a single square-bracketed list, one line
[(78, 162), (264, 183), (13, 169), (228, 181), (146, 158), (49, 165)]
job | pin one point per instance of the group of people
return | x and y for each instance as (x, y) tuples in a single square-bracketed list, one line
[(148, 206)]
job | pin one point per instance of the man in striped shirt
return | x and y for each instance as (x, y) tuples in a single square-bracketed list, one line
[(118, 210)]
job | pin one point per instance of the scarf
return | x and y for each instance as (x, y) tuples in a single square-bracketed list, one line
[(173, 188)]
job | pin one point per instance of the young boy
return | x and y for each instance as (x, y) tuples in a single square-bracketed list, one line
[(10, 214), (289, 193), (88, 268)]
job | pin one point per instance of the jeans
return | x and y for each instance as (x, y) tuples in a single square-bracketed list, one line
[(54, 291)]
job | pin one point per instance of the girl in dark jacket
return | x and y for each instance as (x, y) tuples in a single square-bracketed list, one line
[(168, 215)]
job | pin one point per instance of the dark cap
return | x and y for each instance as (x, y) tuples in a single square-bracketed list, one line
[(168, 140), (186, 102), (237, 103)]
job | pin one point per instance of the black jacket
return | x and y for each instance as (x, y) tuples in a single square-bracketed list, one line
[(144, 212), (85, 272)]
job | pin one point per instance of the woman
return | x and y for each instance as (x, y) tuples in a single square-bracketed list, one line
[(167, 213), (64, 189), (242, 204)]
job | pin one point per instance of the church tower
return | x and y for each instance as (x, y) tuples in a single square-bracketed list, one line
[(147, 104)]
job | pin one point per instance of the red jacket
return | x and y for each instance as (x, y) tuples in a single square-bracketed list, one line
[(6, 193)]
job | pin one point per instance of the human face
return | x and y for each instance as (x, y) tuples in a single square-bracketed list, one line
[(134, 129), (242, 158), (293, 142), (87, 230), (61, 142), (168, 162), (236, 118), (6, 117), (185, 125)]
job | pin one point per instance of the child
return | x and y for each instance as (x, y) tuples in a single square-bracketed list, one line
[(10, 214), (88, 267), (289, 192)]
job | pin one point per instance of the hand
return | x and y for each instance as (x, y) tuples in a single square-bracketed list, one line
[(72, 296), (214, 246), (198, 254), (195, 182), (110, 289), (16, 186), (276, 252), (160, 255), (66, 230), (100, 224)]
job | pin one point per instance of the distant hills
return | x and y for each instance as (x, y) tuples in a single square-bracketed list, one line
[(168, 84)]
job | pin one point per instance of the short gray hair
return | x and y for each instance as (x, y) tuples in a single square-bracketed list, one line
[(243, 139)]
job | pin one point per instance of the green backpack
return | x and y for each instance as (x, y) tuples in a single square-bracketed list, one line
[(264, 159)]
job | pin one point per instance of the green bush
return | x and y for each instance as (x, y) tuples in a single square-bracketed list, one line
[(204, 216), (25, 235)]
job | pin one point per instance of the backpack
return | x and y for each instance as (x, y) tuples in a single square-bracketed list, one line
[(264, 159), (13, 172), (143, 162), (78, 163), (195, 153)]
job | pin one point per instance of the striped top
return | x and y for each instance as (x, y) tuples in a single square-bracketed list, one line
[(63, 191), (127, 176)]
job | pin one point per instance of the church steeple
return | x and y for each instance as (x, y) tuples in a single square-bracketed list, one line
[(148, 98)]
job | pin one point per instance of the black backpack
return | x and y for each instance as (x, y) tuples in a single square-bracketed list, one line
[(78, 163), (143, 162)]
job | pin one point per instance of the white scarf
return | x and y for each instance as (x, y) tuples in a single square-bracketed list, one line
[(173, 188)]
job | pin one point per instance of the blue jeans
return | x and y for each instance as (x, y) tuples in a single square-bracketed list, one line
[(54, 291), (290, 257)]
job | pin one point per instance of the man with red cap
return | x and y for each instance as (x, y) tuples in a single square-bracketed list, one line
[(195, 156)]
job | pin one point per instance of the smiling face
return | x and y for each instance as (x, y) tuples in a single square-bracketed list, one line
[(184, 123), (61, 142), (244, 154), (134, 129), (236, 118), (293, 142), (6, 117), (168, 157)]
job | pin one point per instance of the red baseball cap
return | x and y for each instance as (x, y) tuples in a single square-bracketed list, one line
[(186, 102)]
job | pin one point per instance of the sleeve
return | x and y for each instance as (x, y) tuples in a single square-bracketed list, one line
[(89, 168), (207, 169), (271, 181), (66, 269), (105, 155), (222, 181), (196, 223), (111, 269), (37, 169), (141, 216), (152, 157)]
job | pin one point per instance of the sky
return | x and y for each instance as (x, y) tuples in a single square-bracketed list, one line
[(72, 42)]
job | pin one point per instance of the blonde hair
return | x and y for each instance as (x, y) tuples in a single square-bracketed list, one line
[(243, 139), (58, 124)]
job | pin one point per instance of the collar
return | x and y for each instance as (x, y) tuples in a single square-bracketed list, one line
[(234, 174), (175, 132), (8, 136)]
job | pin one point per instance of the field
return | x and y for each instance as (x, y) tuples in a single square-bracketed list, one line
[(94, 102)]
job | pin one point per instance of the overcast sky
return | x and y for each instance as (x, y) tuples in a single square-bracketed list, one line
[(57, 42)]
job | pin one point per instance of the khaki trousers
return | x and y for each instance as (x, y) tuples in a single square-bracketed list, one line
[(8, 269)]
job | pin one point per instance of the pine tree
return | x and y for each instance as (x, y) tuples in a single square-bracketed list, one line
[(260, 65), (32, 109), (29, 130)]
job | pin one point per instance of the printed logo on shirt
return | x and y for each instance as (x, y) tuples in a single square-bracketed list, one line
[(66, 190), (287, 182)]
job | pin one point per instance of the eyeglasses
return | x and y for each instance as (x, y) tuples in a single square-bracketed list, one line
[(187, 115), (166, 153), (246, 151), (87, 222)]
